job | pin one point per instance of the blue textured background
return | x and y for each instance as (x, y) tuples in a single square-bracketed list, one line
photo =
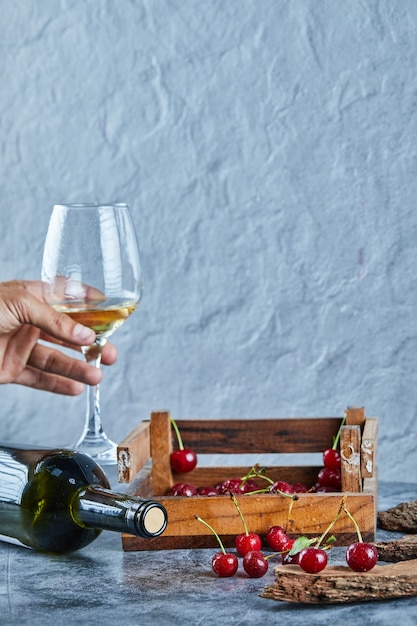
[(268, 151)]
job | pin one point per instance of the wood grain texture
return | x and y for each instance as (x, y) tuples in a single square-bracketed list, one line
[(400, 518), (336, 585), (259, 436), (133, 452), (402, 549), (350, 444)]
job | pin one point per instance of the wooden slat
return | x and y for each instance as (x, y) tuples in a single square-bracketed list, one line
[(368, 447), (310, 515), (133, 452), (259, 436), (161, 448), (350, 442), (355, 416)]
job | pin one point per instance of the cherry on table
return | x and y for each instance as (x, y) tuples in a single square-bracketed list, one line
[(277, 538), (224, 564), (246, 541), (361, 556), (312, 560), (249, 542), (255, 564)]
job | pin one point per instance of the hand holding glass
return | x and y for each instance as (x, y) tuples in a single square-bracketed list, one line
[(91, 271)]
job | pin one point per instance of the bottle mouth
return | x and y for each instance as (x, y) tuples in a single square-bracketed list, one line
[(149, 520), (154, 520)]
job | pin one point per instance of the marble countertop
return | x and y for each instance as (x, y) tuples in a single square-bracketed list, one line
[(104, 585)]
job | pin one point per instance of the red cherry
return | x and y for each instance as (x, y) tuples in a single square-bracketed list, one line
[(276, 538), (361, 556), (245, 543), (230, 485), (332, 459), (183, 460), (312, 560), (281, 485), (224, 564), (206, 490), (299, 487), (250, 485), (182, 489), (255, 564), (290, 559), (329, 478), (324, 488)]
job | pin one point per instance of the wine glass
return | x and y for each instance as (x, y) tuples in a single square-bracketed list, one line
[(91, 271)]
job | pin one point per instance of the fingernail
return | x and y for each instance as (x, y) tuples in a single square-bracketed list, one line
[(83, 333)]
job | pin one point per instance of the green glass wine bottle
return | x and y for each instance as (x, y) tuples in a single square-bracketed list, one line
[(59, 501)]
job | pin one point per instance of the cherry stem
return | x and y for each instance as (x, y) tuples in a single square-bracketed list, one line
[(332, 523), (213, 531), (336, 439), (257, 472), (235, 502), (352, 519), (178, 434)]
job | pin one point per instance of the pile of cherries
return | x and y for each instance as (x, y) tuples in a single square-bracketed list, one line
[(309, 554)]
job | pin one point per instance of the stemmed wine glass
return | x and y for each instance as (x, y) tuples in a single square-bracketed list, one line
[(91, 271)]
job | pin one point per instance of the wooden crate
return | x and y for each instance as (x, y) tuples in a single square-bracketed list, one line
[(143, 461)]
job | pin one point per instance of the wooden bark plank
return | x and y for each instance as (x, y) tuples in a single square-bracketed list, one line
[(401, 518), (350, 442), (336, 585), (402, 549), (133, 452)]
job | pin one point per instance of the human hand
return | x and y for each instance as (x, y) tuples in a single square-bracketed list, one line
[(25, 318)]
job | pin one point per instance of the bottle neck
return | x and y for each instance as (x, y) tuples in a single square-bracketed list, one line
[(97, 507)]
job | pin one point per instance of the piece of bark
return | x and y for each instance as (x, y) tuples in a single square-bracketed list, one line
[(339, 584), (402, 549), (401, 518)]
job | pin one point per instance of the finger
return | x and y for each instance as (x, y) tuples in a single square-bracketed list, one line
[(57, 325), (36, 379), (54, 362), (109, 354)]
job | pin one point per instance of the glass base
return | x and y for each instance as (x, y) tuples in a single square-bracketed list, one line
[(102, 449)]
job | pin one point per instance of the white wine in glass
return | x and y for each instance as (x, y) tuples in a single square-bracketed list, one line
[(91, 271)]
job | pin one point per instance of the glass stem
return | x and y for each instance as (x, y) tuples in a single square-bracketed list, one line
[(93, 426)]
